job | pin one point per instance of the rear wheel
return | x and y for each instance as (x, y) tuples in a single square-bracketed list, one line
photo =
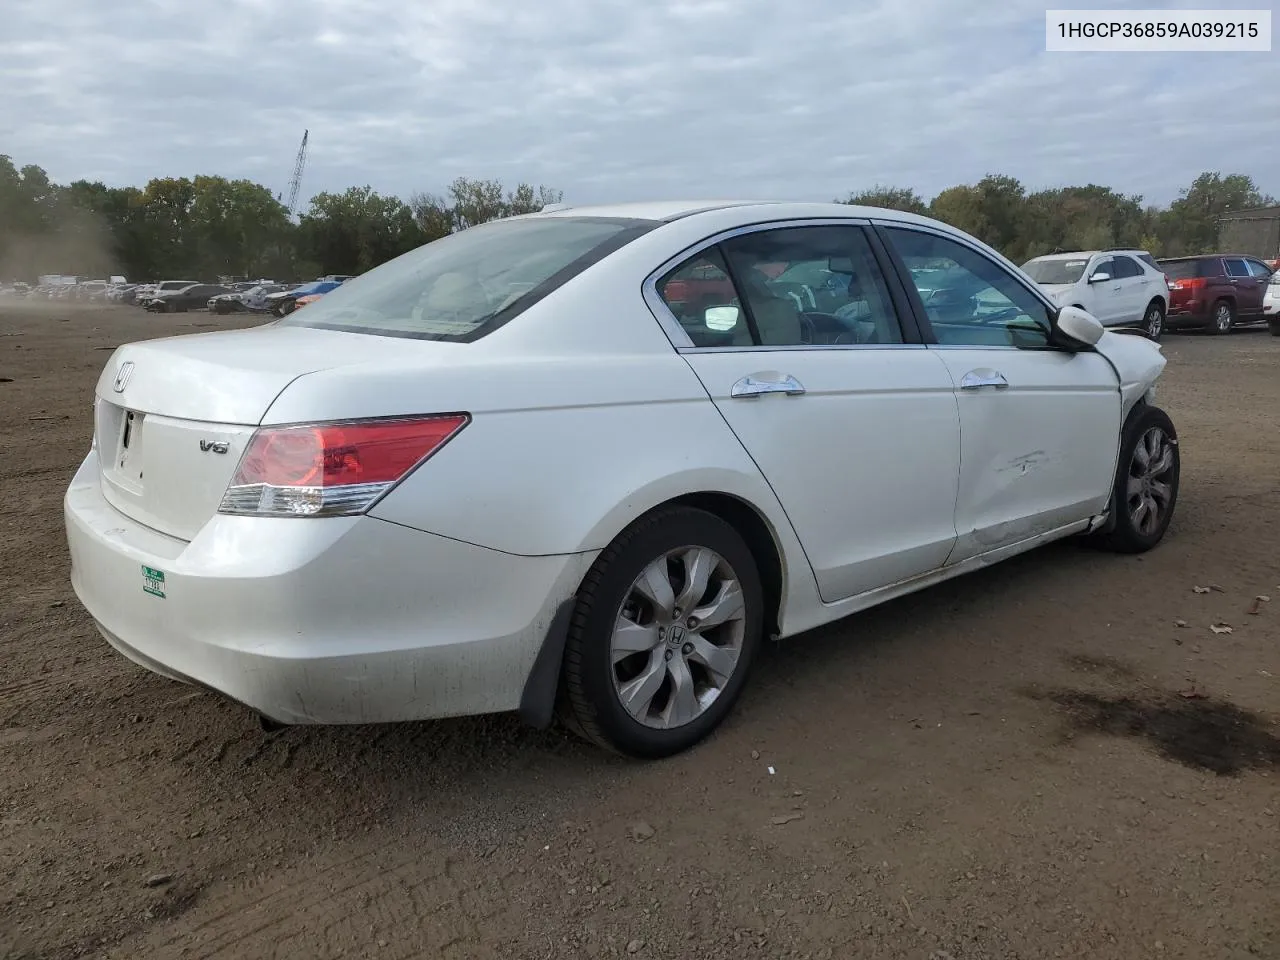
[(1224, 316), (1274, 327), (1146, 484), (667, 624), (1153, 320)]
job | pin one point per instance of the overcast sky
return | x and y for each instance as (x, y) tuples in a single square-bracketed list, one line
[(618, 99)]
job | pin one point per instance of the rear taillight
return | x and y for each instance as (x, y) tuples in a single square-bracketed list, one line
[(332, 469), (1193, 283)]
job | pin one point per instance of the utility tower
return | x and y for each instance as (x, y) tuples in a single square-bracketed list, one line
[(295, 182)]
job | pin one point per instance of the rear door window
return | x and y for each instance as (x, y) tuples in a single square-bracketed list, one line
[(1125, 268), (788, 287), (1236, 267)]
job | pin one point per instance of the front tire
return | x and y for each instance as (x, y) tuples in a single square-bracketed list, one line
[(1153, 321), (1274, 327), (667, 624), (1146, 485)]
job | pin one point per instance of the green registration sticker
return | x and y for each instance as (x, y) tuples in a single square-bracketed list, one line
[(153, 581)]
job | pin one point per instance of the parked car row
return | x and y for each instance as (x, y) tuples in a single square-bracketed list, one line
[(1130, 288)]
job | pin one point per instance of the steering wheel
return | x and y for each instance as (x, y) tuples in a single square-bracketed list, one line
[(826, 327)]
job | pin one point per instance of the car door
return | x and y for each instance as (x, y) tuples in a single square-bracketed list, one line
[(1244, 287), (853, 425), (1039, 425), (1261, 275), (1134, 293), (1104, 291)]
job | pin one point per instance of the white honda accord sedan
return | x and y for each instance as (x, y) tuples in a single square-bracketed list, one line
[(586, 460)]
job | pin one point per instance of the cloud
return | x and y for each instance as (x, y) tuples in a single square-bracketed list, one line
[(616, 100)]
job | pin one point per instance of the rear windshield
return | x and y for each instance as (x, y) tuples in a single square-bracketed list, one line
[(468, 284), (1055, 271), (1185, 269)]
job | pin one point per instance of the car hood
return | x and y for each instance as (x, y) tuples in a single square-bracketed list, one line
[(1056, 291)]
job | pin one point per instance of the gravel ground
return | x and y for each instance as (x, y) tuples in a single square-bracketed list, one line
[(1057, 757)]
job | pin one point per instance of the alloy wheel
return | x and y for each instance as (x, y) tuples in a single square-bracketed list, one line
[(1222, 317), (1149, 493), (1154, 322), (678, 637)]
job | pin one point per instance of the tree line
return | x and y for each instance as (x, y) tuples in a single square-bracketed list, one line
[(208, 226), (1001, 212)]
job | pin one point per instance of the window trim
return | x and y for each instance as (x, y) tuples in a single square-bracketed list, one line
[(680, 340), (903, 275), (1248, 274)]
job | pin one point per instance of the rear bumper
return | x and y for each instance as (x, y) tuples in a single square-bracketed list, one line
[(342, 620)]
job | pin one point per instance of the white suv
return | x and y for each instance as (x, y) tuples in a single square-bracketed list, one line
[(1122, 288)]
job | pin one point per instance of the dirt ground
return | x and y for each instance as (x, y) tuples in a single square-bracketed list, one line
[(1057, 757)]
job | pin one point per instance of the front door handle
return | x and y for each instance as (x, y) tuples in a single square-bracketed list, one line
[(750, 386), (977, 379)]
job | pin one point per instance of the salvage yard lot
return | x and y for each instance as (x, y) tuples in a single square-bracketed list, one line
[(1034, 761)]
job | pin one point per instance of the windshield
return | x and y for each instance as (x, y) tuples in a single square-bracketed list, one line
[(1055, 271), (465, 285)]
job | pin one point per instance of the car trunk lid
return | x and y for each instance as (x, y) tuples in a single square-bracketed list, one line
[(173, 416)]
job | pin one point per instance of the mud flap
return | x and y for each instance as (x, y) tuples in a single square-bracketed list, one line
[(538, 700)]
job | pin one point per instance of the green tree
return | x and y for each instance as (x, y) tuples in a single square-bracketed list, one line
[(471, 202), (237, 228), (356, 230), (889, 198), (1190, 225), (962, 208)]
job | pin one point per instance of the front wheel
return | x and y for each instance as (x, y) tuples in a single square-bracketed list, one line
[(667, 624), (1153, 321), (1274, 326), (1146, 484)]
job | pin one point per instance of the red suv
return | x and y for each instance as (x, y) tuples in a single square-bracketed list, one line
[(1215, 292)]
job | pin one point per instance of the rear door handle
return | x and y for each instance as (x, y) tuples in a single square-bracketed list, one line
[(977, 379), (751, 386)]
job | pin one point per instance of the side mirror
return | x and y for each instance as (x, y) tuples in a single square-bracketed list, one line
[(1100, 277), (721, 319), (1079, 326)]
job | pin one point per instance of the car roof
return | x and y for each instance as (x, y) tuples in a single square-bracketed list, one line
[(1210, 256), (1074, 255), (667, 211)]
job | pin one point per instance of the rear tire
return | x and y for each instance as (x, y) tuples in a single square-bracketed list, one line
[(1223, 318), (1274, 327), (1145, 492), (645, 676)]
